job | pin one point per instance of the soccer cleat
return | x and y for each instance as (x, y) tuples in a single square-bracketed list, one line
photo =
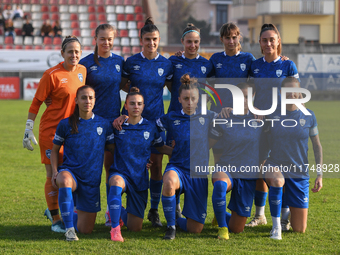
[(170, 233), (58, 227), (275, 233), (48, 215), (71, 235), (153, 216), (223, 233), (116, 235), (257, 221), (214, 222), (285, 225), (107, 219), (178, 213)]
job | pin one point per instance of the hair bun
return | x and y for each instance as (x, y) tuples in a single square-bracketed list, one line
[(185, 79), (148, 21), (190, 25), (134, 89)]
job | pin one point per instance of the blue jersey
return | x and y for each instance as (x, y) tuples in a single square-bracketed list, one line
[(84, 151), (149, 76), (289, 145), (105, 79), (198, 67), (190, 133), (268, 76), (241, 137), (133, 151), (234, 69)]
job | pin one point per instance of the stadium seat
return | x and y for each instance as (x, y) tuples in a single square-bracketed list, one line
[(72, 2), (74, 24), (101, 9), (9, 40), (62, 2), (100, 2), (129, 9), (58, 41), (116, 41), (83, 16), (123, 33), (44, 8), (54, 8), (111, 17), (138, 9), (84, 24), (64, 16), (53, 2), (93, 24), (128, 2), (102, 17), (136, 50), (133, 33), (132, 25), (82, 9), (66, 32), (130, 17), (35, 1), (121, 17), (110, 9), (109, 2), (37, 40), (85, 32), (90, 2), (65, 24), (57, 47), (55, 16), (120, 9), (26, 8), (76, 32), (73, 16), (38, 15), (25, 1), (38, 47), (35, 8), (125, 41), (87, 41), (44, 2), (81, 2), (18, 40), (18, 23), (9, 47), (137, 2), (88, 48), (46, 16), (91, 9), (113, 23), (47, 40), (116, 48), (93, 33), (122, 25), (119, 2), (139, 17), (28, 47), (140, 24), (134, 42), (48, 47), (92, 17), (63, 8), (18, 32), (126, 50), (18, 47), (1, 40), (73, 8)]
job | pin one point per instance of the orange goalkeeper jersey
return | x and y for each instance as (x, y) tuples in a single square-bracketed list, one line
[(61, 86)]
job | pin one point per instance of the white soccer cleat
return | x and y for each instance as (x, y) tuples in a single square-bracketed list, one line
[(257, 221), (275, 233), (285, 225), (71, 235)]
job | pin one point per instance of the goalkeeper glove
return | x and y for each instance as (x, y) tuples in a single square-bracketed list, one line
[(29, 136)]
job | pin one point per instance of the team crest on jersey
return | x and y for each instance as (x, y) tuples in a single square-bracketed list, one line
[(80, 77), (146, 135), (203, 69), (93, 68), (278, 73), (219, 65), (302, 122), (48, 153), (201, 120), (257, 70), (99, 130), (136, 67), (243, 66), (160, 71), (178, 66), (118, 68), (177, 122)]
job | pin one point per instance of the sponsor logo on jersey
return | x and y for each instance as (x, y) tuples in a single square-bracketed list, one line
[(118, 68), (305, 199), (177, 122), (243, 66), (97, 204), (48, 153), (203, 69), (146, 135), (278, 73), (202, 120), (99, 130), (302, 122), (275, 202), (122, 132), (160, 71), (204, 215), (136, 67), (178, 66), (256, 70), (93, 68), (247, 209), (80, 77), (63, 80), (221, 203), (115, 207), (219, 65)]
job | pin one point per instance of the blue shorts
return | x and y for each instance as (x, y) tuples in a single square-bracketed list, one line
[(242, 195), (196, 195), (136, 201), (153, 148), (87, 198), (296, 192)]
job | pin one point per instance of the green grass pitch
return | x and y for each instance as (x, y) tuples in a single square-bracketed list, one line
[(24, 230)]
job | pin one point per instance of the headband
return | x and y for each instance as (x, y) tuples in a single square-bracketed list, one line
[(189, 31), (68, 40)]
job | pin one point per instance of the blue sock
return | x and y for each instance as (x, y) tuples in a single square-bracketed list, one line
[(219, 202), (169, 208), (123, 215), (155, 192), (75, 221), (260, 198), (227, 218), (275, 201), (115, 202), (284, 201), (182, 223), (66, 206), (107, 192), (178, 199), (74, 200)]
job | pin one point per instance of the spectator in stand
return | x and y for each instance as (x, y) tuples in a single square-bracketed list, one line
[(17, 13), (57, 29), (46, 29), (2, 20), (9, 28), (7, 13), (27, 29)]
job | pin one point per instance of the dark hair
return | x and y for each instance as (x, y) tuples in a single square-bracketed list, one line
[(271, 27), (289, 79), (187, 83), (228, 28), (102, 27), (133, 91), (73, 120), (68, 39), (245, 85), (149, 27), (190, 27)]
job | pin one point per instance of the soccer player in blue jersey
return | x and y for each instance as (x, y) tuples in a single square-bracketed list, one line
[(233, 169), (190, 132), (148, 71), (269, 72), (84, 136), (104, 74), (128, 173), (289, 150)]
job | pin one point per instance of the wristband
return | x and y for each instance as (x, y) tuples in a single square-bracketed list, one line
[(29, 124)]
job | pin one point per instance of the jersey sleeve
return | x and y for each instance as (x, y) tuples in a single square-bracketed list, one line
[(60, 134), (212, 73), (215, 132), (313, 130), (157, 141), (170, 72), (126, 71), (162, 123), (109, 134), (293, 72)]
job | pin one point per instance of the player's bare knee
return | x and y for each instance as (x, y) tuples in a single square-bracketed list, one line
[(236, 229), (84, 230), (134, 227)]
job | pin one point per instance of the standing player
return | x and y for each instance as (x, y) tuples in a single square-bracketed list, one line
[(269, 71), (104, 74), (84, 136), (148, 71), (60, 83), (129, 173), (289, 149), (190, 132)]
